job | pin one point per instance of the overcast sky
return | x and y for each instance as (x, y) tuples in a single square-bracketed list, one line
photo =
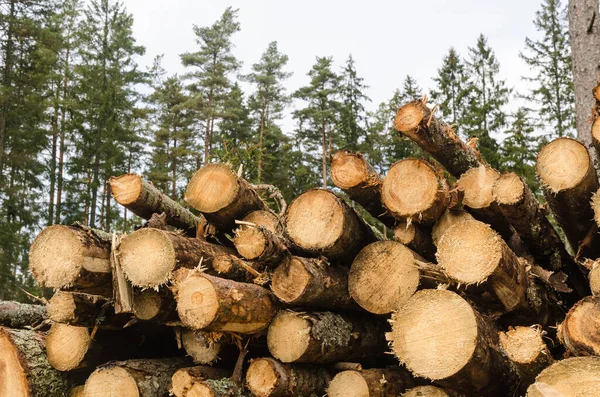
[(388, 39)]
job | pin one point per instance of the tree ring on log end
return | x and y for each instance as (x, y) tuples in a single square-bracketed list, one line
[(409, 117), (200, 390), (577, 376), (435, 333), (111, 381), (562, 164), (477, 184), (404, 232), (522, 344), (288, 337), (146, 304), (250, 242), (126, 189), (579, 330), (199, 347), (212, 188), (67, 346), (263, 218), (61, 307), (289, 281), (197, 302), (262, 377), (509, 189), (348, 384), (12, 373), (596, 130), (349, 170)]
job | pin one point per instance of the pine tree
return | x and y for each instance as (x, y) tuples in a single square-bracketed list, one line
[(487, 96), (212, 65), (451, 91), (520, 147), (318, 118), (550, 59), (351, 126)]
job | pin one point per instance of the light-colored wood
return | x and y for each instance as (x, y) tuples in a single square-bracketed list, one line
[(260, 245), (375, 382), (449, 218), (525, 348), (594, 277), (579, 331), (77, 391), (200, 346), (186, 381), (84, 310), (67, 346), (156, 306), (416, 237), (425, 391), (573, 377), (266, 219)]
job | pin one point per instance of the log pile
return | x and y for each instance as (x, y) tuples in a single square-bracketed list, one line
[(469, 286)]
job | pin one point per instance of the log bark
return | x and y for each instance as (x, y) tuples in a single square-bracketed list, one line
[(188, 382), (85, 310), (322, 337), (202, 347), (216, 304), (72, 257), (417, 238), (149, 256), (527, 351), (416, 121), (413, 190), (312, 283), (425, 391), (24, 367), (375, 382), (569, 180), (143, 199), (260, 245), (579, 331), (320, 223), (572, 377), (221, 196), (134, 378), (267, 377), (439, 336), (20, 315), (156, 306), (356, 177)]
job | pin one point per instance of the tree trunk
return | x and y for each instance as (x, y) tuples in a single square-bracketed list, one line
[(417, 238), (323, 154), (20, 315), (594, 277), (156, 306), (449, 218), (312, 283), (85, 310), (324, 337), (266, 219), (202, 347), (6, 83), (357, 178), (267, 377), (72, 257), (425, 391), (573, 377), (320, 223), (61, 155), (439, 336), (416, 121), (260, 245), (51, 193), (375, 382), (189, 382), (143, 199), (216, 304), (578, 332), (24, 367), (134, 378)]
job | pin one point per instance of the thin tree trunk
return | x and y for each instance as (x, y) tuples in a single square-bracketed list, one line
[(260, 143), (324, 154), (53, 161), (108, 196), (8, 59), (61, 155), (174, 165)]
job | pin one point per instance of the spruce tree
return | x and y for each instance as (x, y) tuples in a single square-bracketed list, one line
[(520, 147), (488, 95), (549, 58), (351, 126)]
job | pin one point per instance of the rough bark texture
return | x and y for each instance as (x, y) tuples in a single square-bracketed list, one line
[(84, 310), (416, 121), (425, 391), (24, 367), (313, 283), (260, 245), (357, 178), (579, 331), (375, 382), (19, 315), (322, 337), (417, 238), (143, 199), (184, 380), (573, 377), (267, 377)]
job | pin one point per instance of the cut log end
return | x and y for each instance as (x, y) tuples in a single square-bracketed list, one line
[(477, 184), (573, 377), (594, 277), (348, 169), (77, 391), (289, 281), (199, 347), (449, 218), (197, 302), (417, 333), (111, 381), (263, 377), (523, 345), (596, 131), (146, 304), (348, 384), (12, 373), (266, 219), (579, 330), (147, 257), (67, 346), (212, 188), (596, 206), (289, 336), (250, 242), (563, 164), (509, 189), (126, 189), (383, 277), (405, 233), (425, 391), (61, 307), (409, 117)]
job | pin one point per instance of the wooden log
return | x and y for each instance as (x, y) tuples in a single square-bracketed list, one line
[(320, 223), (527, 351), (156, 306), (569, 180), (439, 336), (202, 347), (19, 315), (267, 377), (572, 377), (222, 196), (233, 268), (260, 245), (449, 218), (216, 304), (594, 277), (266, 219), (375, 382), (416, 237), (579, 331), (356, 177), (77, 391), (24, 367), (189, 381), (322, 337), (134, 378), (313, 283), (143, 199), (416, 121), (414, 190), (425, 391), (72, 257), (84, 310), (383, 276), (149, 256)]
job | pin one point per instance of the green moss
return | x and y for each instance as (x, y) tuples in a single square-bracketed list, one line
[(226, 387)]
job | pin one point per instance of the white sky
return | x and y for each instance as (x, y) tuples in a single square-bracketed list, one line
[(388, 39)]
